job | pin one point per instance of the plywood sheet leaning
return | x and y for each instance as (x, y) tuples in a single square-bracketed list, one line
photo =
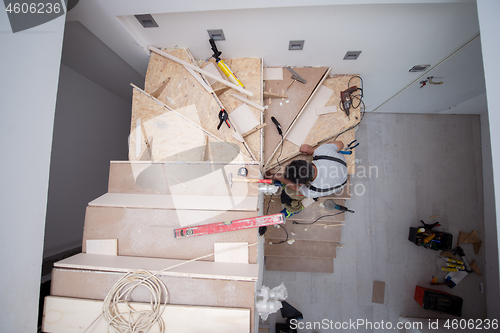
[(193, 269), (328, 126), (72, 315), (174, 139), (184, 90), (249, 72), (285, 110)]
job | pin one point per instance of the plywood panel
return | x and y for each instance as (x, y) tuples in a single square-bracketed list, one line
[(299, 264), (327, 126), (184, 90), (249, 72), (184, 291), (308, 117), (196, 269), (71, 315), (181, 202), (300, 248), (150, 232), (180, 178), (285, 110)]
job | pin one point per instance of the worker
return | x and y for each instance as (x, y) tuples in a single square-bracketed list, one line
[(325, 175)]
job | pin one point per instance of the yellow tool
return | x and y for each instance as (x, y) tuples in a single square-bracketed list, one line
[(222, 65)]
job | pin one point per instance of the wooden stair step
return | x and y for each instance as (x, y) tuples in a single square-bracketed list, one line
[(180, 178), (310, 213), (299, 264), (150, 232), (300, 248), (312, 232), (182, 290)]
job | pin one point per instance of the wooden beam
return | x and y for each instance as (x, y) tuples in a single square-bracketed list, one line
[(249, 102), (255, 129), (199, 70), (268, 94)]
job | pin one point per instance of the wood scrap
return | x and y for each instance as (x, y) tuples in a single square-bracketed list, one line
[(472, 238), (255, 129), (268, 94), (475, 267), (378, 292), (249, 102), (102, 246), (461, 237), (477, 246)]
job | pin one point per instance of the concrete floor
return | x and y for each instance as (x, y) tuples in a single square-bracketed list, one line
[(421, 166)]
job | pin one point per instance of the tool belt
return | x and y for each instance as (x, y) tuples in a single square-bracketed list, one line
[(334, 159)]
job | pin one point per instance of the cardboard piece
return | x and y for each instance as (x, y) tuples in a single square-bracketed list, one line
[(378, 292)]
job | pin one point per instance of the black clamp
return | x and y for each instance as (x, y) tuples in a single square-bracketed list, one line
[(223, 117)]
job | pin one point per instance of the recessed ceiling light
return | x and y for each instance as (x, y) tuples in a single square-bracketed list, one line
[(296, 45), (147, 21), (419, 68), (352, 55)]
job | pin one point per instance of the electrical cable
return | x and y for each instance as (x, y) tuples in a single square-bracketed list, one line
[(283, 241), (294, 222)]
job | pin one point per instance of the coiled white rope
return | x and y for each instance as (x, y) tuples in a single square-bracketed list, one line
[(132, 320)]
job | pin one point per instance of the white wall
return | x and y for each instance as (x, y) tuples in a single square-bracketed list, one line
[(91, 128), (488, 11), (392, 37), (30, 71)]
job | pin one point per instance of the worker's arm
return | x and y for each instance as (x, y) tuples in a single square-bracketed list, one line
[(291, 185), (309, 150)]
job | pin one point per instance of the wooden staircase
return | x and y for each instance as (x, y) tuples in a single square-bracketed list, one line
[(311, 247), (145, 233)]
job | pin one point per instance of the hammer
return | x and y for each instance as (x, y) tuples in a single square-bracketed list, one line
[(248, 180)]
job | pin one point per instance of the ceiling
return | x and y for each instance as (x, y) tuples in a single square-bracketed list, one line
[(392, 35)]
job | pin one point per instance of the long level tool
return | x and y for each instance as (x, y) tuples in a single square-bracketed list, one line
[(219, 227)]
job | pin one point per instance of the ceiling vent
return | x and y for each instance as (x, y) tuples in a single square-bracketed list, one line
[(296, 45), (216, 34), (147, 21), (352, 55), (419, 68)]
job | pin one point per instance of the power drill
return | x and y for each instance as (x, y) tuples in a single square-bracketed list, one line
[(346, 100)]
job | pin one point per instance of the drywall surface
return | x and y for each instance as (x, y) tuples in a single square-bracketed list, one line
[(91, 128), (475, 105), (84, 53), (392, 35), (488, 11), (30, 71), (455, 80)]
